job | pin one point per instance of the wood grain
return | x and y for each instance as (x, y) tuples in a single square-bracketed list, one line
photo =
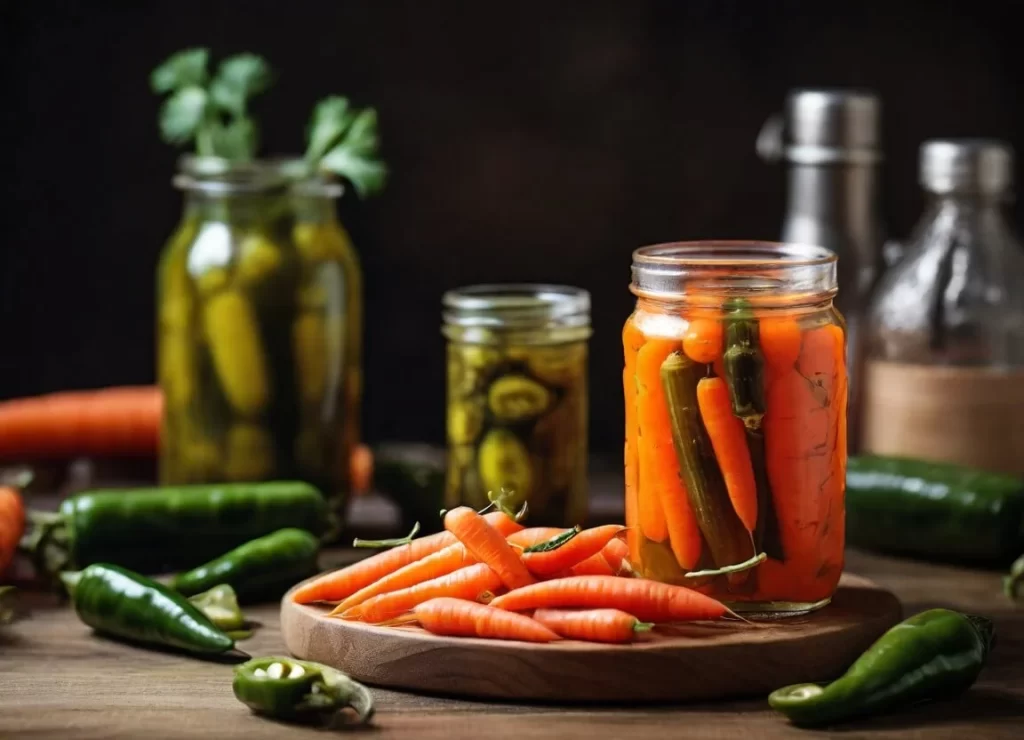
[(58, 680), (707, 661)]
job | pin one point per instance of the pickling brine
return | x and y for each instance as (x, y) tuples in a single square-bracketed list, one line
[(517, 399), (259, 301), (735, 387)]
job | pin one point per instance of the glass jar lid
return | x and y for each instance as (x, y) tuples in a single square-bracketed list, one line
[(477, 312)]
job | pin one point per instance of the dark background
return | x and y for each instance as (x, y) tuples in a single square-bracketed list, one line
[(537, 140)]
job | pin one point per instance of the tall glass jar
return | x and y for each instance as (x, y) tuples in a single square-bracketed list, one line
[(517, 398), (945, 355), (735, 385), (259, 303)]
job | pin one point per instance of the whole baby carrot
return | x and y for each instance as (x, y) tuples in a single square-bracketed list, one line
[(585, 544), (703, 340), (340, 584), (647, 600), (447, 616), (488, 545), (474, 583), (729, 441), (592, 625)]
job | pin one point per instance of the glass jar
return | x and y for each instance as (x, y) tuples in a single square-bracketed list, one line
[(517, 398), (735, 385), (945, 353), (259, 310)]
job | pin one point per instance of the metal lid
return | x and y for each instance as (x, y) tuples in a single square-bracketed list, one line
[(966, 166), (823, 127)]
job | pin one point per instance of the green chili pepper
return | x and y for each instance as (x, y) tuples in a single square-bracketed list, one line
[(262, 568), (220, 605), (286, 688), (155, 530), (117, 602), (933, 655), (1012, 582)]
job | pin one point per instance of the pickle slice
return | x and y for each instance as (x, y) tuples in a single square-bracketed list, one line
[(515, 398), (504, 462)]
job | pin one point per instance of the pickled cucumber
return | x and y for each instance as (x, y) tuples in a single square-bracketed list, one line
[(250, 453), (504, 462), (310, 347), (515, 398), (465, 420), (213, 280), (560, 365), (259, 258), (319, 244), (237, 352)]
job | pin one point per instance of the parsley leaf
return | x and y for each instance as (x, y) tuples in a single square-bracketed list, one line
[(182, 69), (239, 78), (344, 141), (182, 114)]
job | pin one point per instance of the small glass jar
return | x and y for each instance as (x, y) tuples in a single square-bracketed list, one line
[(259, 308), (735, 385), (517, 398)]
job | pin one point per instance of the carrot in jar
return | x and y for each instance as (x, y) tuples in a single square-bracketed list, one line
[(729, 442), (662, 492), (780, 342), (632, 341), (703, 340)]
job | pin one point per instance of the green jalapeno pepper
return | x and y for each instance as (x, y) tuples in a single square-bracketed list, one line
[(934, 654), (262, 568), (286, 688), (1012, 582), (155, 530), (220, 605), (117, 602)]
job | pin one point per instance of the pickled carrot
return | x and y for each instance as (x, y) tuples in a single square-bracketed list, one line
[(632, 340), (703, 340), (729, 441), (665, 509), (780, 342)]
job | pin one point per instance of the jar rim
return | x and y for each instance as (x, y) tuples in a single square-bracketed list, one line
[(516, 305), (221, 176), (705, 271)]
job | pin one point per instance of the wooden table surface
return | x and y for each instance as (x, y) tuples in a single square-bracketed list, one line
[(57, 680)]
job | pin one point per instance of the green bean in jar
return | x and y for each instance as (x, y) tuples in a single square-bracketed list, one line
[(517, 399)]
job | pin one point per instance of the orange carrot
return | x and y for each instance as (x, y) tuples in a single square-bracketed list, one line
[(647, 600), (12, 524), (729, 440), (473, 583), (533, 536), (441, 563), (446, 616), (632, 341), (611, 561), (595, 565), (616, 553), (662, 492), (361, 467), (585, 544), (703, 340), (111, 422), (780, 341), (342, 583), (652, 457), (592, 625), (487, 545)]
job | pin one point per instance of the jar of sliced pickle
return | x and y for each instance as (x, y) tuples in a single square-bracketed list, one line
[(259, 310), (517, 399), (735, 386)]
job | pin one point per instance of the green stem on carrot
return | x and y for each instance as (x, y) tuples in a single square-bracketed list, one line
[(737, 568), (555, 542), (397, 542)]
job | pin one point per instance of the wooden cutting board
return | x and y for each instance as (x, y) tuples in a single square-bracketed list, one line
[(699, 661)]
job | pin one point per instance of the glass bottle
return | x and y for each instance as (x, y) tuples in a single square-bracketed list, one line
[(945, 372), (517, 398), (259, 297), (736, 386)]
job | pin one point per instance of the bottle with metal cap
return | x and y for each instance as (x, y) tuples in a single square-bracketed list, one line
[(830, 141), (944, 377)]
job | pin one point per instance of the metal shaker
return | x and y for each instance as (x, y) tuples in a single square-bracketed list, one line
[(830, 142)]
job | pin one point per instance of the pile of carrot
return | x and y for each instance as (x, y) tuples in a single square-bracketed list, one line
[(487, 576)]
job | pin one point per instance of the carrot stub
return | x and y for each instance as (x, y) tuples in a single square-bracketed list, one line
[(729, 440)]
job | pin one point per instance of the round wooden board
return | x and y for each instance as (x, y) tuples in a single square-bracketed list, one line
[(699, 661)]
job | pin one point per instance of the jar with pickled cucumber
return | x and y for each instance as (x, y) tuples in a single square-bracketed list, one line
[(517, 399), (735, 386), (259, 321)]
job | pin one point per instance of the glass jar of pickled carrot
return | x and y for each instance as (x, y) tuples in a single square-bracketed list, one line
[(735, 385), (517, 399)]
